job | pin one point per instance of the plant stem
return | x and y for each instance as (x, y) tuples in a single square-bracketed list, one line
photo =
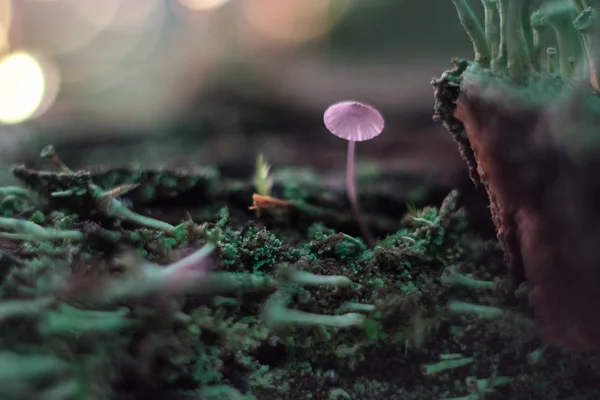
[(351, 188)]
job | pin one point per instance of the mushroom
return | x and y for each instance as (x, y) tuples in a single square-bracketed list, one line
[(355, 122)]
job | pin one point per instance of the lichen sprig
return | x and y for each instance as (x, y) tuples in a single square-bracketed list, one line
[(501, 60), (515, 36), (550, 60), (538, 26), (492, 32), (517, 47), (16, 191), (579, 5), (485, 312), (586, 24), (527, 29), (451, 277), (26, 230), (512, 38), (445, 365), (560, 16), (475, 31), (276, 314)]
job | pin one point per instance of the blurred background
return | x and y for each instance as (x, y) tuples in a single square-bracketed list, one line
[(218, 81)]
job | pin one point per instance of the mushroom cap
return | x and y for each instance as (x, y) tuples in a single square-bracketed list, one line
[(353, 121)]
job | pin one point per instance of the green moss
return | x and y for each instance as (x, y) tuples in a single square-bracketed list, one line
[(221, 339), (38, 217), (336, 245)]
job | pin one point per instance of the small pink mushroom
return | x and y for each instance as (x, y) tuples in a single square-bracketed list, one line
[(354, 122)]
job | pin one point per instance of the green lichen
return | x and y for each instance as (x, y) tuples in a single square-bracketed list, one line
[(516, 31)]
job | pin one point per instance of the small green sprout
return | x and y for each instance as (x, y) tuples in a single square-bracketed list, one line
[(262, 181)]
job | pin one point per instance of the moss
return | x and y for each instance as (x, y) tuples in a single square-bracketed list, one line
[(218, 341), (336, 245)]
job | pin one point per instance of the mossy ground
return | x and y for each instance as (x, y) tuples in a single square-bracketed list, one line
[(225, 342)]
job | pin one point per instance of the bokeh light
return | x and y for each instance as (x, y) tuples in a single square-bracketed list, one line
[(95, 13), (130, 38), (293, 21), (139, 15), (76, 29), (200, 5), (114, 56), (22, 87), (6, 15), (4, 43)]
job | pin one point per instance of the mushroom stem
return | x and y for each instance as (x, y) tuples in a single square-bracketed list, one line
[(352, 196), (354, 122)]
